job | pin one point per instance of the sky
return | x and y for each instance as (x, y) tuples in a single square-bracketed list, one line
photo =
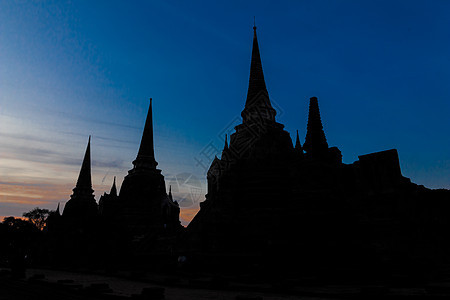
[(70, 69)]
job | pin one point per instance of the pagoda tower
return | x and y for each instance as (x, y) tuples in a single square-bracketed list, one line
[(315, 142), (276, 210), (248, 184), (82, 205), (143, 204), (258, 117), (257, 106)]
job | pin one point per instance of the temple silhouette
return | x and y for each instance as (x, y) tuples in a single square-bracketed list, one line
[(125, 223), (143, 205), (272, 204)]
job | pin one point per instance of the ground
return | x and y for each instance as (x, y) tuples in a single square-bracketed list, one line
[(57, 284)]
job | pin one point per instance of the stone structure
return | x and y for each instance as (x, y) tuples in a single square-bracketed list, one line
[(123, 226), (143, 206), (82, 209), (271, 204), (108, 201), (272, 207), (249, 185)]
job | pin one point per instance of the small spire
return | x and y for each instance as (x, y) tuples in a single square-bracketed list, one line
[(226, 142), (315, 141), (254, 23), (298, 146), (113, 191), (170, 193)]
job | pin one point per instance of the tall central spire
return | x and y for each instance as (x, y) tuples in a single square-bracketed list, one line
[(256, 82), (146, 154), (257, 106)]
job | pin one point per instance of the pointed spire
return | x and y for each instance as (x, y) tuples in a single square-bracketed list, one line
[(113, 191), (226, 153), (146, 152), (257, 106), (315, 141), (170, 195), (298, 146), (84, 178), (82, 203), (58, 213), (256, 82)]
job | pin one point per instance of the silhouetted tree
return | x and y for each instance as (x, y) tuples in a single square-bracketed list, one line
[(37, 217), (18, 241), (14, 224)]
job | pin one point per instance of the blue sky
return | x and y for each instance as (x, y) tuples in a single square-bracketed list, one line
[(69, 69)]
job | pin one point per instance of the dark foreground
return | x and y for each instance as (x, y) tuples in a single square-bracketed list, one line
[(56, 284)]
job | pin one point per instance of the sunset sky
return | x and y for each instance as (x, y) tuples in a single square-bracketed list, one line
[(70, 69)]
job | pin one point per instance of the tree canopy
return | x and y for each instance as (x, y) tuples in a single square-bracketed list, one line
[(37, 217)]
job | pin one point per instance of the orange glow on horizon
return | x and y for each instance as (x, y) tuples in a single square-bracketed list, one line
[(49, 195), (2, 218), (187, 214), (31, 195)]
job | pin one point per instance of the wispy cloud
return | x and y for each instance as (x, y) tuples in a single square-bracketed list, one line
[(33, 194), (42, 150)]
